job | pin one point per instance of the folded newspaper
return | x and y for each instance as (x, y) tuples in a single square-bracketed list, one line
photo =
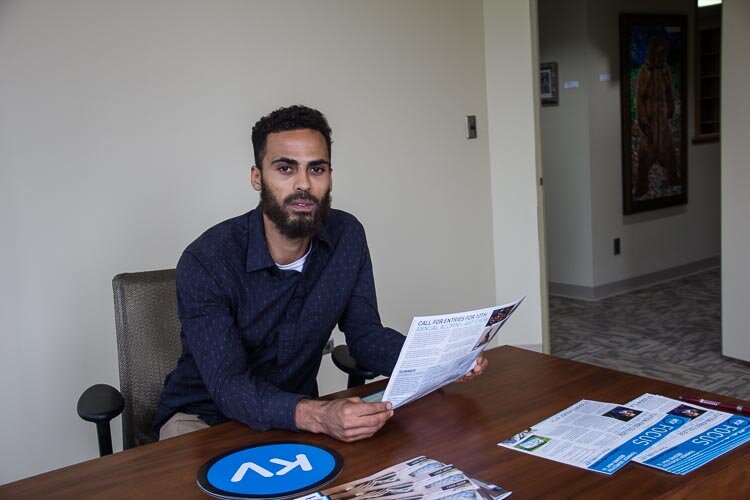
[(420, 478), (653, 430), (440, 349)]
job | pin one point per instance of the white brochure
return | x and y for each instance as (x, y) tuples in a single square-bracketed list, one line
[(441, 349), (597, 436)]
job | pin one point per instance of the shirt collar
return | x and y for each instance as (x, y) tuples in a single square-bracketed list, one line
[(258, 256)]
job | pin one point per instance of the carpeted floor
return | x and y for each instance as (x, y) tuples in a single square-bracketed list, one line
[(670, 331)]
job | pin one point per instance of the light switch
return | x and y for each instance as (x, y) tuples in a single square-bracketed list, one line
[(471, 127)]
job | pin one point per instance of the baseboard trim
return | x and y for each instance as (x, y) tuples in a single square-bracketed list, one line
[(628, 285)]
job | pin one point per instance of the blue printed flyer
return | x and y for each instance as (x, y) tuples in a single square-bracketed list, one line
[(708, 435), (660, 432)]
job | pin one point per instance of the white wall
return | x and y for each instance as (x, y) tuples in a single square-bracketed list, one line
[(125, 133), (512, 73), (735, 178), (576, 146), (563, 38)]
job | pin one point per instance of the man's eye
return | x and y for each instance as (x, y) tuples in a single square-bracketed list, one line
[(318, 170), (284, 169)]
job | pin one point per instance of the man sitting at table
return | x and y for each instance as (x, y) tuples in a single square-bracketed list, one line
[(259, 295)]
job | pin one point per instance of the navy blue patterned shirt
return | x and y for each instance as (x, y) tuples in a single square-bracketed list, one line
[(253, 334)]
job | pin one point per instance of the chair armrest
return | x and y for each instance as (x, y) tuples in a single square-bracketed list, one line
[(100, 403), (347, 364)]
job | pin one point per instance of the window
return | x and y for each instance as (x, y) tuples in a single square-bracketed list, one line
[(707, 72)]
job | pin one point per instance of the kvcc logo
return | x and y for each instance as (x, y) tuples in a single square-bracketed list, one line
[(273, 469), (302, 462)]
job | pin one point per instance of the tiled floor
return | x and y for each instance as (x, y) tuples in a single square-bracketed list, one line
[(670, 331)]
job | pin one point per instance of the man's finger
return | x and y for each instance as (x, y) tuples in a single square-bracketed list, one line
[(368, 420), (477, 369), (482, 364), (369, 425), (363, 408), (360, 428), (376, 420)]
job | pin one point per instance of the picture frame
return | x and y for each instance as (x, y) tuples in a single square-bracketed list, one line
[(653, 107), (548, 84)]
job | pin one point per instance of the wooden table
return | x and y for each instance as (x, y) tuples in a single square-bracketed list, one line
[(459, 424)]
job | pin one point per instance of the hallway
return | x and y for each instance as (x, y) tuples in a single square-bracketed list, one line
[(670, 331)]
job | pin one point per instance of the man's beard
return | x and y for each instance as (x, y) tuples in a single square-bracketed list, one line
[(295, 225)]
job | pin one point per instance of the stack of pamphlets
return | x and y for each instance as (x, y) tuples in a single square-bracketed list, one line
[(418, 478), (653, 430)]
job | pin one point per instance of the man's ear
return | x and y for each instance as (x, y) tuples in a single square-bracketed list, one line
[(255, 177)]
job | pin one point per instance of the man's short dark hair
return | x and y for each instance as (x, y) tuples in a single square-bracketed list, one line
[(283, 119)]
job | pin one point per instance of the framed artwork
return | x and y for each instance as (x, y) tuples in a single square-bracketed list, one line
[(548, 83), (653, 81)]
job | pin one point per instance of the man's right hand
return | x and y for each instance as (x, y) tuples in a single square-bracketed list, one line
[(347, 419)]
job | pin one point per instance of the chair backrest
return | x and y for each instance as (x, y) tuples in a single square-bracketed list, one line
[(148, 346)]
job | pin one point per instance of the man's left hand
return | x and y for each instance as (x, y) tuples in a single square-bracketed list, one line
[(481, 364)]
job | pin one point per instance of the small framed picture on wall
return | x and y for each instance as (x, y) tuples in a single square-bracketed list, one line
[(548, 83)]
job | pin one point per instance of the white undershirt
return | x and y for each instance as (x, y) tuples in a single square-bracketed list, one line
[(297, 265)]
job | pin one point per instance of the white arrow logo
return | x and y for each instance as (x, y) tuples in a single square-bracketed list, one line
[(302, 462)]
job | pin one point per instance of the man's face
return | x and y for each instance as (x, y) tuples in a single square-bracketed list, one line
[(295, 182)]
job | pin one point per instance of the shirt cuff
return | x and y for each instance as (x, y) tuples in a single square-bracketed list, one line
[(280, 410)]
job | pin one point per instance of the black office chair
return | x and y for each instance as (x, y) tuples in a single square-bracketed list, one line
[(148, 347), (345, 363)]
